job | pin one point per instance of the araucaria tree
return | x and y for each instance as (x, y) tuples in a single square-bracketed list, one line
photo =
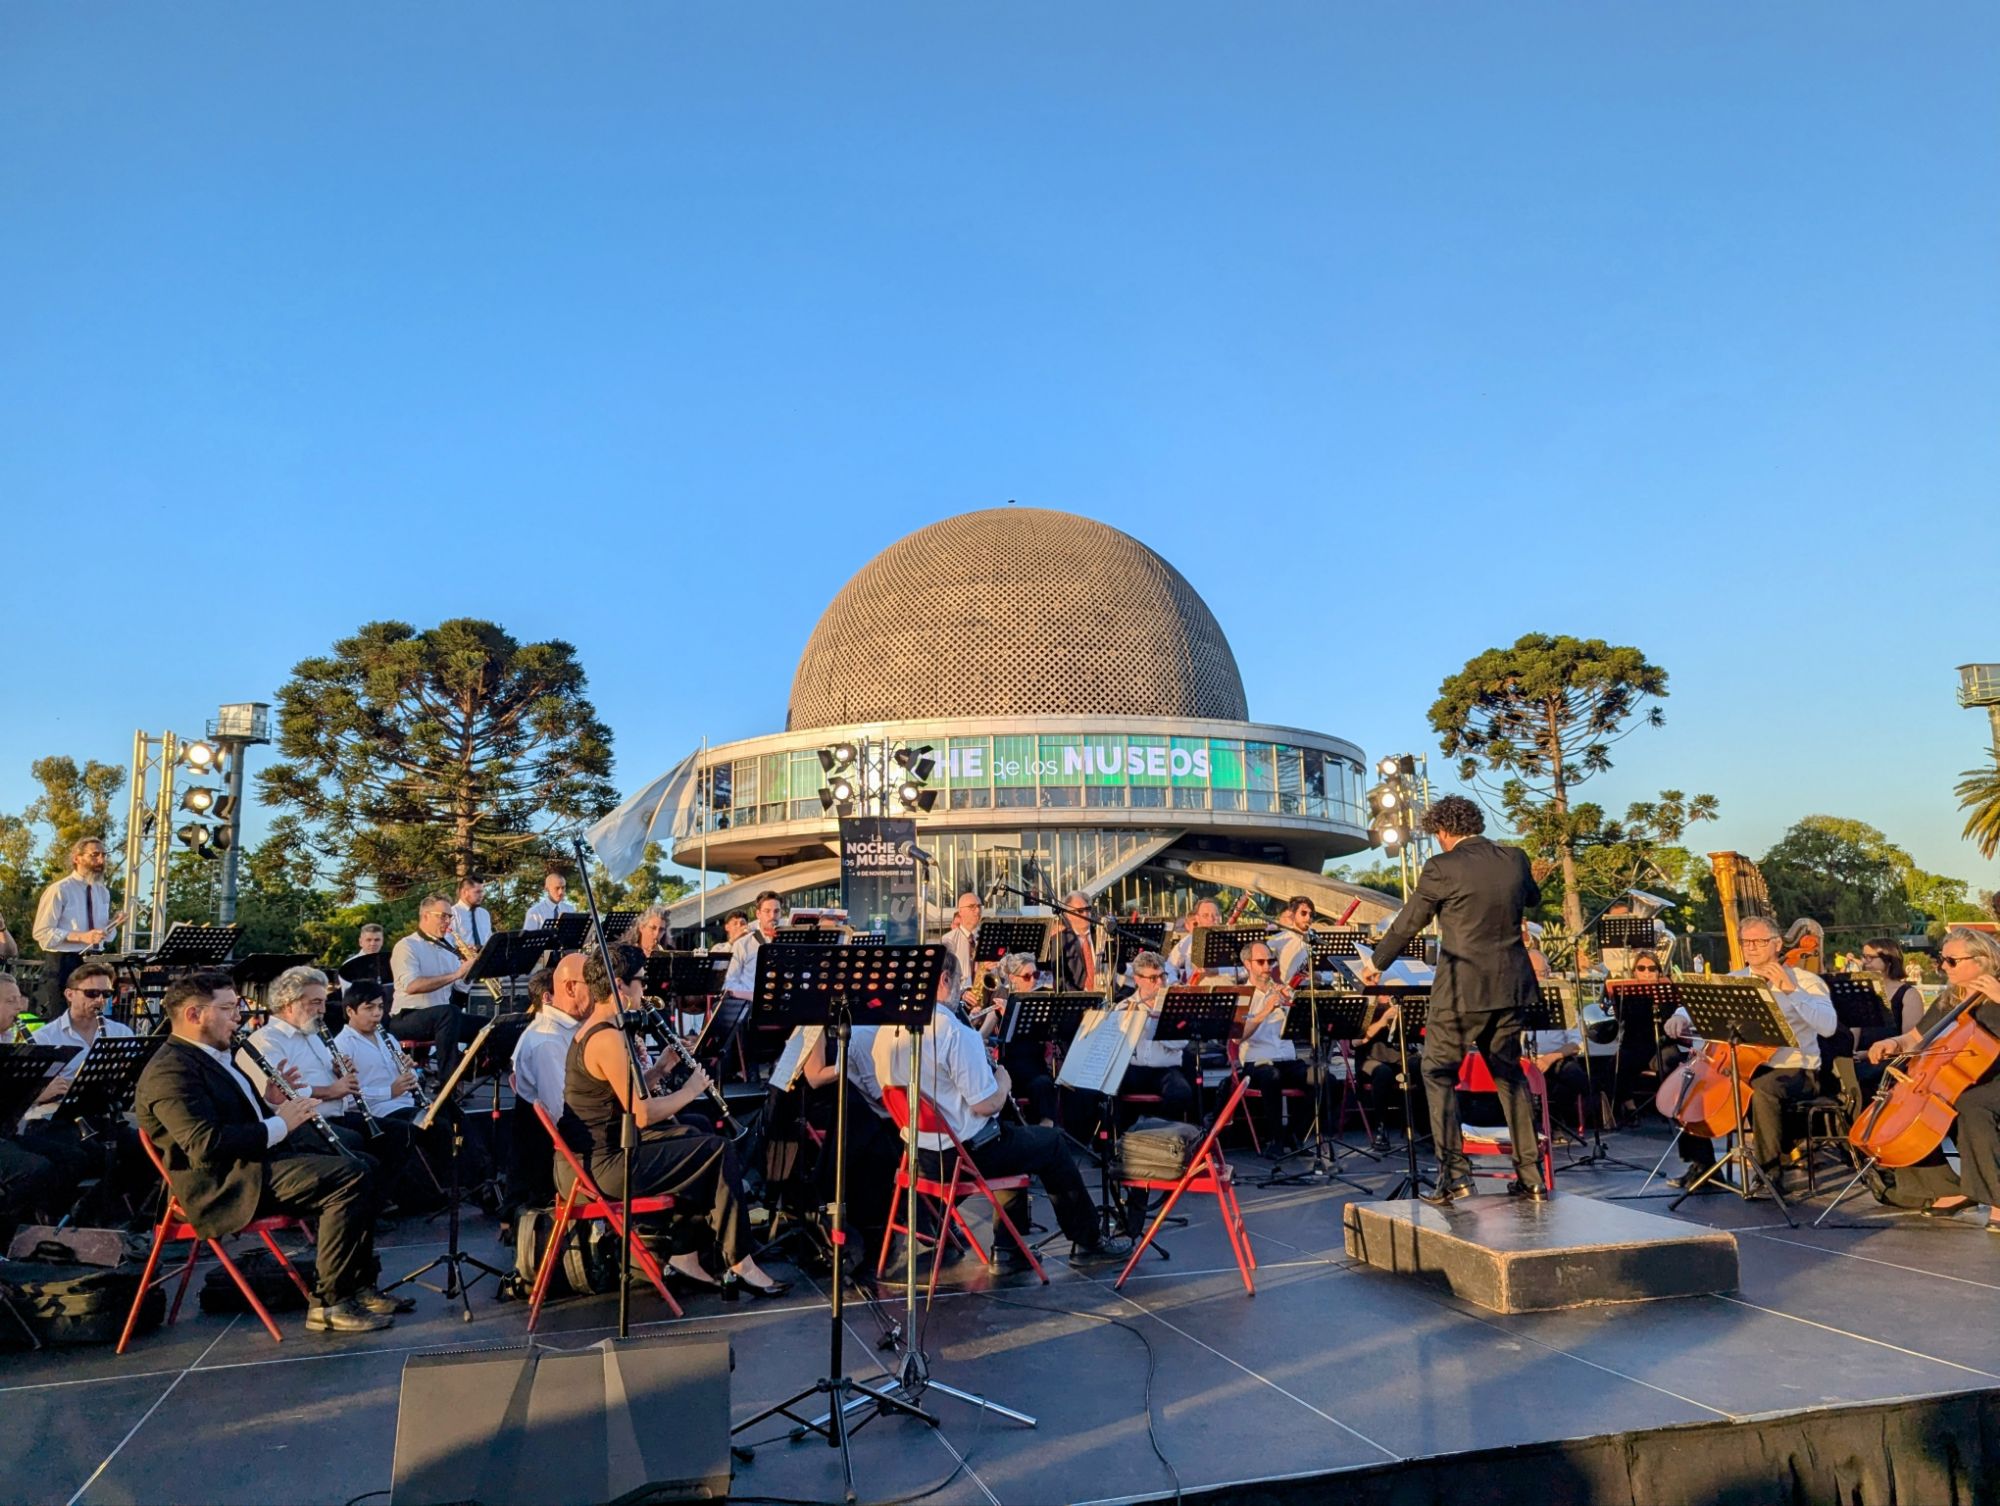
[(1544, 714), (413, 756)]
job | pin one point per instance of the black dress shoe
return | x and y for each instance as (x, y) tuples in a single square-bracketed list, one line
[(1532, 1190), (1449, 1192), (734, 1286), (1100, 1250)]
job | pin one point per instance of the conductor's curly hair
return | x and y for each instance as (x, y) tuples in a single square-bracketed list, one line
[(1455, 816)]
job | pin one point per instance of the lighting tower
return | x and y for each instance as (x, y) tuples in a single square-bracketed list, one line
[(235, 729), (1979, 685), (1396, 809)]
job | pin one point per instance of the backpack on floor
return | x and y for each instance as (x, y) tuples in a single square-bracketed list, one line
[(1157, 1149), (265, 1277), (66, 1303)]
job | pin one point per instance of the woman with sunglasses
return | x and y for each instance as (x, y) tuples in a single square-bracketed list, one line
[(1971, 962)]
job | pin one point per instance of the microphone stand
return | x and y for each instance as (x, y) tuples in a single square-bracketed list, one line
[(628, 1124)]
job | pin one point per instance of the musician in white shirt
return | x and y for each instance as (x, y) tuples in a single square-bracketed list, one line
[(969, 1094), (961, 938), (470, 921), (559, 1001), (82, 1024), (1289, 941), (74, 917), (426, 968), (742, 975), (1165, 1068), (1268, 1059), (388, 1086), (1181, 966), (552, 906)]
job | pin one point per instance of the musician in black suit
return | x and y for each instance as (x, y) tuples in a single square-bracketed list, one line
[(1477, 890), (233, 1155)]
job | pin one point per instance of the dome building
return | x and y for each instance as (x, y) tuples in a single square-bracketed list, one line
[(1087, 720)]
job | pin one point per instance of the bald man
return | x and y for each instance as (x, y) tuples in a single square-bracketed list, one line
[(541, 1057)]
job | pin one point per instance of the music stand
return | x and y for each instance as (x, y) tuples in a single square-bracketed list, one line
[(253, 974), (996, 938), (1630, 932), (24, 1072), (505, 956), (1219, 948), (109, 1076), (1039, 1018), (867, 938), (189, 946), (368, 967), (565, 933), (1329, 947), (1743, 1012), (1330, 1014), (1857, 999), (454, 1260), (808, 936), (802, 983), (1131, 937)]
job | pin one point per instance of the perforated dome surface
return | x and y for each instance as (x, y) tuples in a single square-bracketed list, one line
[(1016, 611)]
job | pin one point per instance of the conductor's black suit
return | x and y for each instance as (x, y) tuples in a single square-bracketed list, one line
[(209, 1127), (1478, 892)]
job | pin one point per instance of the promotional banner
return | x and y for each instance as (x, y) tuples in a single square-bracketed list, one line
[(878, 876)]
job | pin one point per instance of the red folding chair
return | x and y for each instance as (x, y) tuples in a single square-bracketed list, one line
[(1208, 1171), (1474, 1076), (1352, 1101), (173, 1225), (583, 1203), (1242, 1072), (965, 1179)]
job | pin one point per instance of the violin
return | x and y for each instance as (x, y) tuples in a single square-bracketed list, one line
[(1915, 1110)]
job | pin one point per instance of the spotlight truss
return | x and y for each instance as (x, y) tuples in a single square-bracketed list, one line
[(861, 774)]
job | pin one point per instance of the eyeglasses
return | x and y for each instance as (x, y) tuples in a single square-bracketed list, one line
[(234, 1006), (1646, 967), (1149, 977), (93, 993), (1945, 960), (1760, 941)]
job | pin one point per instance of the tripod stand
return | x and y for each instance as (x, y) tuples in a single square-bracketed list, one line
[(1343, 1021), (457, 1287), (1742, 1012), (1411, 1004)]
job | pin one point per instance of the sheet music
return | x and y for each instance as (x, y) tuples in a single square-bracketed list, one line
[(798, 1051), (1097, 1058)]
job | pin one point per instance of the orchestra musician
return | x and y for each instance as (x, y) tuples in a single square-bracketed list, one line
[(1882, 959), (40, 1165), (1269, 1060), (1181, 968), (471, 924), (1971, 963), (83, 1022), (962, 938), (552, 906), (290, 1041), (73, 918), (697, 1168), (1792, 1074), (969, 1092), (734, 924), (1289, 941), (742, 975), (558, 1003), (232, 1156), (648, 932), (1076, 939), (1027, 1062), (109, 1146), (1165, 1069), (426, 969), (370, 964), (1477, 890), (1378, 1063)]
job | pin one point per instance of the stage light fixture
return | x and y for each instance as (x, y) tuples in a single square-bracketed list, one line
[(198, 837), (839, 756), (1386, 767), (199, 799), (842, 790), (200, 756), (917, 762), (1388, 800), (1392, 836)]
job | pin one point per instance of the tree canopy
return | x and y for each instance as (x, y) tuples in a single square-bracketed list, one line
[(1850, 877), (409, 757)]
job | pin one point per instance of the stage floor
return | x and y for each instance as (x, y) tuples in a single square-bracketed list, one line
[(1329, 1366)]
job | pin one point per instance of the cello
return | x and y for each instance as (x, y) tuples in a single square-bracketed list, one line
[(1915, 1110), (1705, 1098)]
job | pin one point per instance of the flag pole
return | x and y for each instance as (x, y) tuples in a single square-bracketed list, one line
[(708, 794)]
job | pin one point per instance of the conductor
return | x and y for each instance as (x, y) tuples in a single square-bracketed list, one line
[(1477, 890)]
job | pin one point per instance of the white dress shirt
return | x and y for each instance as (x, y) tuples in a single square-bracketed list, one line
[(64, 911), (541, 1057), (954, 1075), (1267, 1042), (376, 1068), (1293, 954), (60, 1032), (1150, 1052), (417, 956), (1807, 1008), (545, 911), (958, 942), (285, 1045), (742, 975), (861, 1066), (275, 1129), (472, 923)]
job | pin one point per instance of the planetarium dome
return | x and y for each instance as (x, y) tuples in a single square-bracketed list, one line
[(1015, 611)]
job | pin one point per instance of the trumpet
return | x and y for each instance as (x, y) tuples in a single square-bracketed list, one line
[(343, 1066), (241, 1041), (403, 1063)]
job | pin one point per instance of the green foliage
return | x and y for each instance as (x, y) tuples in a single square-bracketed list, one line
[(648, 884), (414, 757), (1978, 793), (1383, 878), (1850, 877), (75, 802), (1545, 712), (1643, 851)]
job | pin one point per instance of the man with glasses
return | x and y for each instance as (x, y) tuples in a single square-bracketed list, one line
[(1792, 1074), (233, 1155), (1164, 1068), (1971, 963), (82, 1024), (1269, 1060)]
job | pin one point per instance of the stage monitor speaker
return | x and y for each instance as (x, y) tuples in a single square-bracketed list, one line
[(624, 1421)]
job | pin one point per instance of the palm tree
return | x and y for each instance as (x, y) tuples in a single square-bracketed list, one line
[(1979, 795)]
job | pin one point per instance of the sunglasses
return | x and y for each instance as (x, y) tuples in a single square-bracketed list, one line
[(1953, 961), (93, 993)]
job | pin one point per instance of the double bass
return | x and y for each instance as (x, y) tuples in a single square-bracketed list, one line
[(1915, 1109)]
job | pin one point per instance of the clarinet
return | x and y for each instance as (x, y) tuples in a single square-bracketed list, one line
[(671, 1040), (241, 1041), (343, 1066), (418, 1095)]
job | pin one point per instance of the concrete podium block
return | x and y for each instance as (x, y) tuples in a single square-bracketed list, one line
[(1514, 1255)]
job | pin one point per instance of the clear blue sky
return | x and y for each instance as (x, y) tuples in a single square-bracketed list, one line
[(1677, 325)]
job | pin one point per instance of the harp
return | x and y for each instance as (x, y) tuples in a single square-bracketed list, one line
[(1741, 892)]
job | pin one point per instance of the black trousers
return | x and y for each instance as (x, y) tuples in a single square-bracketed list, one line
[(1036, 1151), (697, 1169), (1027, 1064), (1269, 1080), (448, 1027), (56, 969), (29, 1183), (1174, 1086), (1978, 1137), (1770, 1090), (401, 1178), (1496, 1036), (338, 1193)]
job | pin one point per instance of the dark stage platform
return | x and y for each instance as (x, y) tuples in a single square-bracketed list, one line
[(1330, 1367)]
